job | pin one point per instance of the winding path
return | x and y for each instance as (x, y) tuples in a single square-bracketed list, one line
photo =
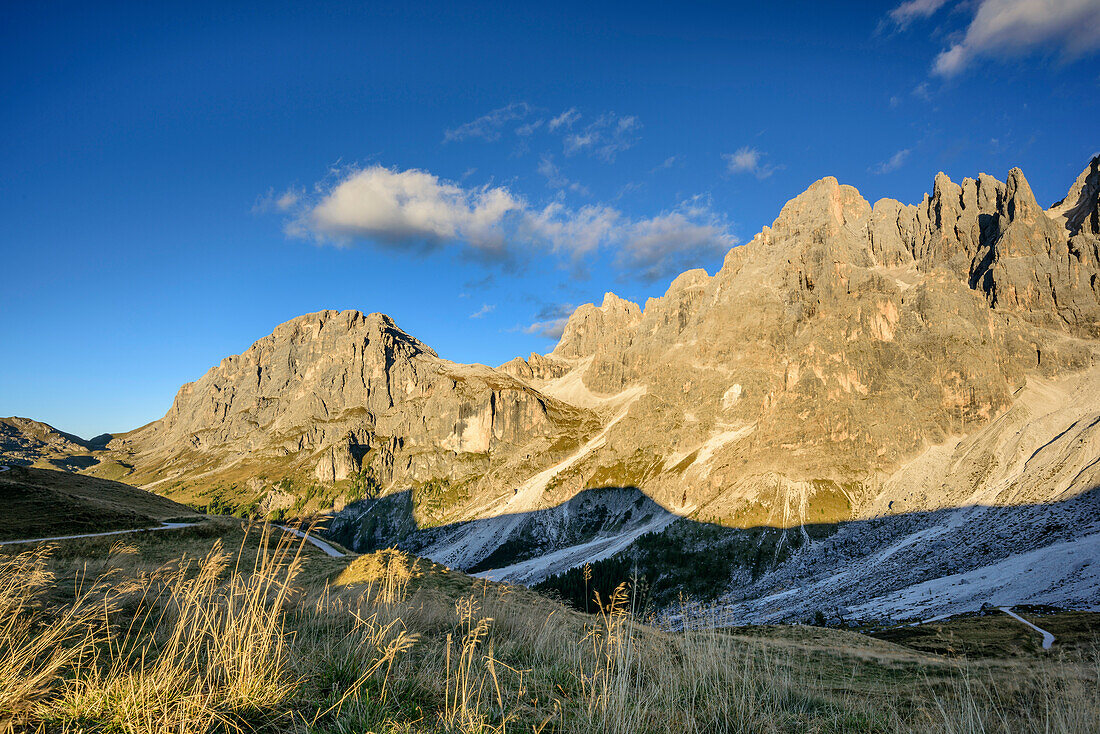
[(1048, 639), (325, 547), (165, 526), (328, 549)]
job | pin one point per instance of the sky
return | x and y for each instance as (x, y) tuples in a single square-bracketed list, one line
[(178, 179)]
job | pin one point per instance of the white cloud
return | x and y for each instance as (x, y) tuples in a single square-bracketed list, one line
[(407, 207), (667, 244), (1005, 28), (565, 119), (287, 200), (605, 137), (892, 163), (416, 210), (909, 11), (481, 312), (749, 160), (283, 202), (551, 329), (576, 232), (488, 126)]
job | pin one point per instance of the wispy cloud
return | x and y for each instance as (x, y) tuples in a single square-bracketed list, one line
[(922, 91), (564, 120), (271, 201), (530, 128), (550, 320), (483, 311), (750, 160), (488, 126), (665, 245), (555, 310), (556, 180), (893, 163), (552, 329), (605, 137), (669, 162), (907, 12)]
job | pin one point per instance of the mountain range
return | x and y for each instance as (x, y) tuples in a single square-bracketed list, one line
[(880, 410)]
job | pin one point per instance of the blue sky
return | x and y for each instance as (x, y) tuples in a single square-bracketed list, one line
[(177, 180)]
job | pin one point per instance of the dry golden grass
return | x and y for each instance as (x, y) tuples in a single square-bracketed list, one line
[(269, 637)]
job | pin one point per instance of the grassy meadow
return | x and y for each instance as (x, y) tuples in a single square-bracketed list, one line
[(237, 628)]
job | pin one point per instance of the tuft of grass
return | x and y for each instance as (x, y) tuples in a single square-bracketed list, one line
[(36, 650), (209, 647)]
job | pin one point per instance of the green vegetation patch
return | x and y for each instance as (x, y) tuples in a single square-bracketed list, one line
[(688, 560)]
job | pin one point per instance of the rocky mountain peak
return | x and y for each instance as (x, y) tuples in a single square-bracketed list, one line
[(1020, 200), (615, 306), (591, 325), (1080, 209), (329, 324), (825, 202), (329, 394)]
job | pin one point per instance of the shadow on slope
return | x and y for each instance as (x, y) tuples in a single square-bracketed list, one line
[(621, 532)]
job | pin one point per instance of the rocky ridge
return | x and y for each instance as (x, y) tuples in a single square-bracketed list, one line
[(26, 442)]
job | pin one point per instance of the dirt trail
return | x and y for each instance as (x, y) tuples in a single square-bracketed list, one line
[(165, 526), (328, 549), (1048, 639)]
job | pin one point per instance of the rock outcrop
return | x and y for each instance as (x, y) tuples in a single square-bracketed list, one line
[(329, 394)]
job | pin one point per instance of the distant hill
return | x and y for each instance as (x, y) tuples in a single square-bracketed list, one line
[(27, 442)]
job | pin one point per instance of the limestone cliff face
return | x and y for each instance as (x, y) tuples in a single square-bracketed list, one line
[(535, 367), (1080, 209), (329, 393), (842, 339), (1041, 265)]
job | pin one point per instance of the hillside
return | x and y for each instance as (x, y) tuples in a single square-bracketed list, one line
[(26, 442), (43, 503)]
